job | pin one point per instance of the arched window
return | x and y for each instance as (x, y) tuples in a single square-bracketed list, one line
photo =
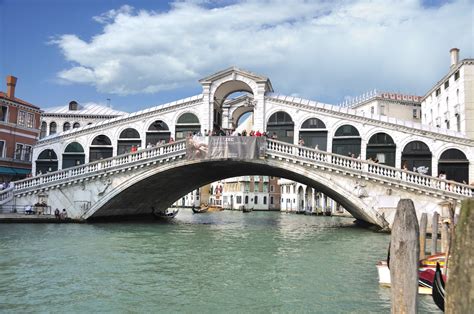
[(455, 165), (66, 126), (158, 132), (314, 134), (381, 147), (417, 157), (100, 148), (47, 161), (76, 125), (52, 128), (101, 140), (43, 131), (73, 155), (281, 125), (346, 141), (187, 123), (127, 139)]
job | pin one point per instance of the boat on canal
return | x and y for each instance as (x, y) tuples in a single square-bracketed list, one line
[(426, 275), (200, 210), (165, 214), (438, 288)]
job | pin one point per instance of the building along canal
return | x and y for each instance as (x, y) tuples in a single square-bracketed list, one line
[(214, 262)]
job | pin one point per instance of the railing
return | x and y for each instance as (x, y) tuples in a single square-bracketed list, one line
[(6, 195), (363, 167), (275, 148), (149, 154), (27, 210)]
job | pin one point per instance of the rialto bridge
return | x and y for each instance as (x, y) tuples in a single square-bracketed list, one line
[(91, 172)]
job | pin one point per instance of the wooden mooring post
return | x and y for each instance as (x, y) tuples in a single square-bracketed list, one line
[(404, 257), (434, 233), (423, 226), (460, 283)]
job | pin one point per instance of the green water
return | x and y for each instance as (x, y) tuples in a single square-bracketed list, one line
[(225, 262)]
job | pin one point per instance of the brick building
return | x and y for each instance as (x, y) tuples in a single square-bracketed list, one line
[(19, 130)]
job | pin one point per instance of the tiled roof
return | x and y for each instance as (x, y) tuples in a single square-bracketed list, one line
[(84, 109), (18, 100)]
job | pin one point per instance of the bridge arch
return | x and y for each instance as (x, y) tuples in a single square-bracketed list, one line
[(382, 147), (346, 141), (314, 133), (100, 148), (73, 155), (47, 161), (416, 154), (187, 122), (128, 137), (139, 192), (281, 123), (454, 163), (222, 90)]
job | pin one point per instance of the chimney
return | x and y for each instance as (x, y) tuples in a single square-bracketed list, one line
[(454, 57), (11, 83)]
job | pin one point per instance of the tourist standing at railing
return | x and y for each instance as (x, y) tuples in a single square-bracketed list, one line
[(300, 143), (442, 176)]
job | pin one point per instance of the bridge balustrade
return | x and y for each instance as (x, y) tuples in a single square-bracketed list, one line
[(356, 166), (365, 167), (105, 164)]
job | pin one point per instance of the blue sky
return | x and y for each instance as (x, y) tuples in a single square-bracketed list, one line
[(144, 53)]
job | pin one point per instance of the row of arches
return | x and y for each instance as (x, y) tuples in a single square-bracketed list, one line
[(53, 127), (346, 141), (416, 155)]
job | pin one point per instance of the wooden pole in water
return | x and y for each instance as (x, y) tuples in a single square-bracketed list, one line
[(423, 225), (404, 257), (444, 235), (460, 285), (434, 233)]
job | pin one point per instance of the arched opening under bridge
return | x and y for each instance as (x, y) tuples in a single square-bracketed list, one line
[(160, 187)]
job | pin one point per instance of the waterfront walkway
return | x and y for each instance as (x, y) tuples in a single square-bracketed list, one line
[(22, 218)]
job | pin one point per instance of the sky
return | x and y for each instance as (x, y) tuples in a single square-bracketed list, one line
[(138, 54)]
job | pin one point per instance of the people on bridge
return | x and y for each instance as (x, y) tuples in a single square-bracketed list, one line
[(64, 214)]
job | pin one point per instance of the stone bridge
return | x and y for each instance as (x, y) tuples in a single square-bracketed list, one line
[(133, 183)]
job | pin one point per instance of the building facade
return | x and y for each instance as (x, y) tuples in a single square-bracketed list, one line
[(19, 131), (74, 115), (449, 104), (395, 105)]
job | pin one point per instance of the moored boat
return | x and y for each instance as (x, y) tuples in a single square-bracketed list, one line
[(438, 288), (426, 275)]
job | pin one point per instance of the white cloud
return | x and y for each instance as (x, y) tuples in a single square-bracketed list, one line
[(320, 50)]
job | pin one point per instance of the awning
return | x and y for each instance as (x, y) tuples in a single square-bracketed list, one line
[(14, 171)]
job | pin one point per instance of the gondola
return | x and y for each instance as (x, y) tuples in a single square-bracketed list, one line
[(164, 214), (200, 210), (438, 288), (246, 210)]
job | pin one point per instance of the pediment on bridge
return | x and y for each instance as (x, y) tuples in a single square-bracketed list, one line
[(233, 72)]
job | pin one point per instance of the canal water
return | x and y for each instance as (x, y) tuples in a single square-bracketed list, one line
[(224, 262)]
